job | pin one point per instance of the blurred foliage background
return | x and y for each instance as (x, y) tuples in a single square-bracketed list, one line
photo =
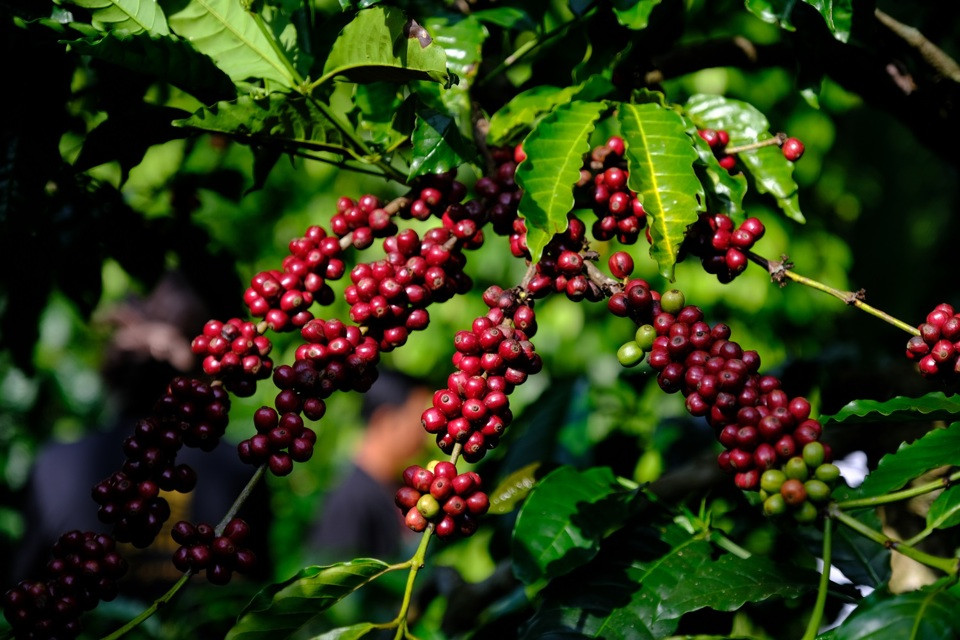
[(881, 208)]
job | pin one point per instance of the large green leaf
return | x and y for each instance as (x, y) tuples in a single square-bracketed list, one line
[(171, 60), (773, 11), (932, 406), (283, 121), (944, 511), (937, 448), (724, 192), (563, 520), (437, 144), (506, 17), (634, 14), (927, 614), (769, 170), (225, 31), (555, 151), (381, 44), (126, 16), (462, 42), (645, 579), (379, 105), (660, 158), (280, 610), (838, 15)]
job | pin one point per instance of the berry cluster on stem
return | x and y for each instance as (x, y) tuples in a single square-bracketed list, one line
[(441, 497), (201, 549), (723, 249), (937, 348)]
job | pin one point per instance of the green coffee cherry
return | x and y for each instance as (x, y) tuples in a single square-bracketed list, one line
[(774, 505), (630, 354), (672, 301), (828, 473), (796, 468), (806, 514), (771, 480), (817, 490), (645, 336), (428, 506), (813, 454)]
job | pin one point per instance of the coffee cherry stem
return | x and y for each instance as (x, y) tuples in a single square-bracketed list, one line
[(416, 563), (780, 272), (241, 498), (816, 617), (776, 140), (455, 454), (905, 494), (152, 609), (599, 278), (947, 565)]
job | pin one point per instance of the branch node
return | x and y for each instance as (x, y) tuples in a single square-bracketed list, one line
[(778, 270), (854, 297)]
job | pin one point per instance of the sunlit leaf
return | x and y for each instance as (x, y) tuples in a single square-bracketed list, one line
[(506, 17), (724, 192), (462, 41), (944, 511), (352, 632), (838, 15), (634, 14), (935, 449), (932, 406), (555, 151), (660, 158), (283, 608), (773, 11), (437, 144), (513, 489), (126, 16)]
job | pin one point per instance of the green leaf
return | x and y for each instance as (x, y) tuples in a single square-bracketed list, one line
[(563, 520), (838, 15), (167, 59), (646, 578), (773, 11), (437, 144), (126, 16), (944, 511), (283, 608), (462, 42), (932, 406), (555, 151), (513, 489), (506, 17), (284, 121), (768, 169), (926, 614), (634, 14), (379, 104), (225, 31), (347, 633), (381, 44), (724, 192), (660, 158), (935, 449)]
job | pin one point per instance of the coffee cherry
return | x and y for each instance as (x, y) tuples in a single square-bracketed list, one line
[(792, 149), (813, 454), (630, 354), (796, 468), (772, 480), (793, 492), (817, 490), (428, 506), (806, 513), (828, 473), (672, 301), (774, 505)]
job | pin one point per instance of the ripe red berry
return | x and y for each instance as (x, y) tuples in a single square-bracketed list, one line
[(792, 149)]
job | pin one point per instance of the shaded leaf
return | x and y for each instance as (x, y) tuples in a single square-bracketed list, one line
[(506, 17), (928, 613), (225, 31), (280, 120), (769, 170), (513, 489), (126, 135), (126, 16), (660, 158), (523, 111), (646, 578), (347, 633), (634, 14), (167, 59), (555, 151), (287, 606), (838, 14), (773, 11), (379, 104), (381, 44), (437, 144), (944, 511), (563, 520), (935, 449), (932, 406)]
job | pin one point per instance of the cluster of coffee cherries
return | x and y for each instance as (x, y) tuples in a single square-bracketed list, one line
[(390, 296), (83, 570), (722, 247), (283, 298), (619, 213), (937, 348), (498, 194), (191, 413), (718, 139), (759, 425), (492, 358), (562, 266), (235, 353), (201, 549), (452, 502)]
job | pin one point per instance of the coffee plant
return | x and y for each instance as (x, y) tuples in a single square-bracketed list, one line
[(581, 222)]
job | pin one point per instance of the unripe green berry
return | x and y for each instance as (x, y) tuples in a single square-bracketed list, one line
[(813, 454), (630, 354), (796, 468), (817, 490), (771, 480), (428, 506), (806, 514), (645, 336), (774, 505), (672, 301), (829, 473)]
